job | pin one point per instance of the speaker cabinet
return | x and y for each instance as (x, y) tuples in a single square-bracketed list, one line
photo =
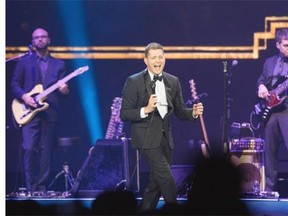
[(248, 156), (107, 167)]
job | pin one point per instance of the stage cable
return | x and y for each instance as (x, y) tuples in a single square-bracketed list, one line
[(153, 85)]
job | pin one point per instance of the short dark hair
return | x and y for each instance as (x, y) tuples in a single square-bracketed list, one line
[(152, 46), (281, 34)]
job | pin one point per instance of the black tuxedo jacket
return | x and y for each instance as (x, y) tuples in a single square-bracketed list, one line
[(146, 133), (27, 75)]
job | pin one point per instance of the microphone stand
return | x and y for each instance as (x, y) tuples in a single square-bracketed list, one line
[(18, 57), (29, 53), (226, 107)]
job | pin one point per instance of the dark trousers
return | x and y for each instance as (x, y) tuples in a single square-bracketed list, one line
[(160, 181), (38, 138), (275, 129)]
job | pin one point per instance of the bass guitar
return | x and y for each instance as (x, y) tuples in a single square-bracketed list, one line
[(205, 146), (273, 103), (23, 113)]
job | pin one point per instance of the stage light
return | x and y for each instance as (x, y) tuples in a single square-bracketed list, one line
[(75, 34)]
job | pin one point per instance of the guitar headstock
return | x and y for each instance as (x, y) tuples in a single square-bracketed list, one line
[(117, 101), (193, 89), (115, 108), (81, 70)]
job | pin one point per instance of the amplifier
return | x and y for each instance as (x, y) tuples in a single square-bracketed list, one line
[(109, 166), (238, 131), (247, 154), (247, 144)]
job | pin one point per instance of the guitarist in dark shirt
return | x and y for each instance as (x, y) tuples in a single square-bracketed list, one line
[(276, 127), (38, 135)]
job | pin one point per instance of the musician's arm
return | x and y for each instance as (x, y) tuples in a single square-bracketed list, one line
[(262, 82), (63, 87), (17, 81)]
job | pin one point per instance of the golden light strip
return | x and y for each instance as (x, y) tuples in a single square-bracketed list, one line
[(172, 52)]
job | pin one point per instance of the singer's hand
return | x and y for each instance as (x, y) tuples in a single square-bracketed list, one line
[(197, 110), (152, 104)]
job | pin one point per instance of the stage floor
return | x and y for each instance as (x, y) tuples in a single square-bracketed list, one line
[(273, 207)]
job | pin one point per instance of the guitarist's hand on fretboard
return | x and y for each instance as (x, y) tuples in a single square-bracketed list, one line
[(63, 87)]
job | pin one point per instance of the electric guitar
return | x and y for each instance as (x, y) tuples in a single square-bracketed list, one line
[(23, 113), (205, 146), (265, 107)]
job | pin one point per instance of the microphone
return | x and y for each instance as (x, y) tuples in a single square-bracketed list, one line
[(23, 55), (30, 49), (153, 86), (234, 64)]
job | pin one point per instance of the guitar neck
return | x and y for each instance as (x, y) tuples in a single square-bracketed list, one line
[(205, 150), (204, 129), (53, 87), (281, 88)]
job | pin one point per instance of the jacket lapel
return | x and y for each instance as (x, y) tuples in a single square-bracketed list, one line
[(168, 92), (148, 83)]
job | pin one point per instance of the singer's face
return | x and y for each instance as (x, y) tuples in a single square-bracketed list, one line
[(155, 61), (40, 39)]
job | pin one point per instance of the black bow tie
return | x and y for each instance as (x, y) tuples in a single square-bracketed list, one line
[(156, 77)]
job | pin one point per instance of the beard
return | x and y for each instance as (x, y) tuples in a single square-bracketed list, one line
[(41, 46)]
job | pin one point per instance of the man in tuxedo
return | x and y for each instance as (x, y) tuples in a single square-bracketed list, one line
[(38, 135), (275, 129), (149, 99)]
